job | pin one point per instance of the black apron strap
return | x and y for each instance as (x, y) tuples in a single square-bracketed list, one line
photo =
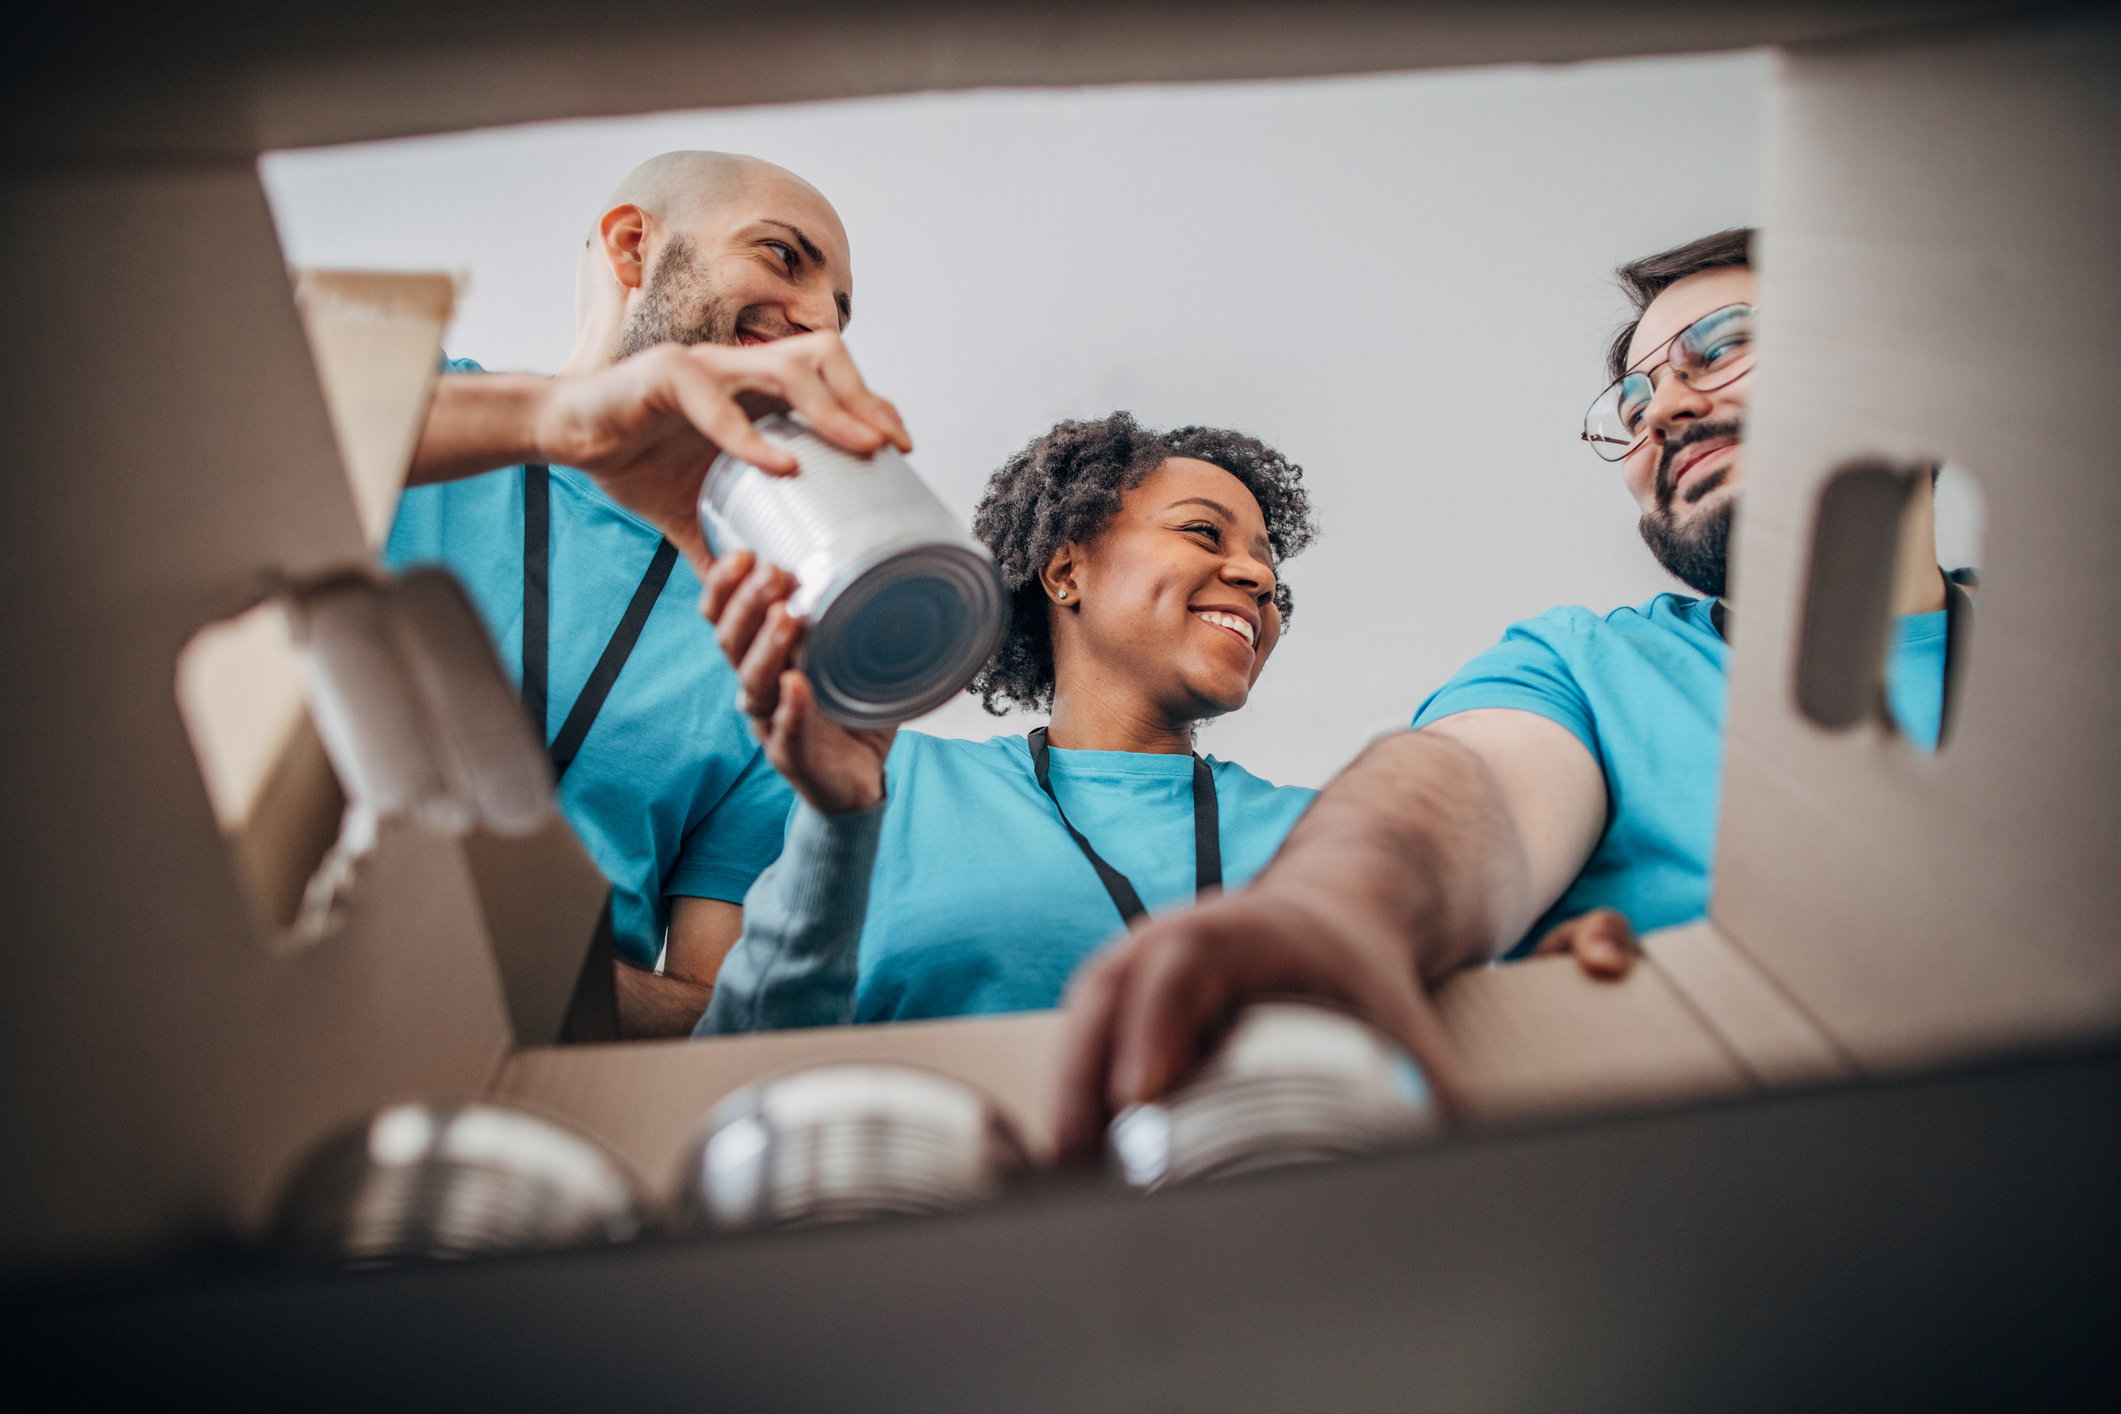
[(616, 652), (537, 623), (1207, 830), (537, 589), (1958, 623), (1207, 837)]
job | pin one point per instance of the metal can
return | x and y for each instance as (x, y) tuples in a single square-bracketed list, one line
[(905, 606), (1292, 1083), (845, 1141), (448, 1179)]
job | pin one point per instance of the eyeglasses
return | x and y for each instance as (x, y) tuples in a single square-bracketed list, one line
[(1715, 350)]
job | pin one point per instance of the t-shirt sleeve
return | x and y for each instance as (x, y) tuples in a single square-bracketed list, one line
[(1526, 671), (734, 842)]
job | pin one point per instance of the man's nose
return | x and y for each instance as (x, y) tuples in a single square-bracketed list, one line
[(814, 309), (1675, 404)]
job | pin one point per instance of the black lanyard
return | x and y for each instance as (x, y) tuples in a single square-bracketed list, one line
[(537, 623), (1957, 606), (1207, 837)]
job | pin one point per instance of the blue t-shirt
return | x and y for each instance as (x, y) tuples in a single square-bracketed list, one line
[(669, 792), (979, 901), (1645, 690)]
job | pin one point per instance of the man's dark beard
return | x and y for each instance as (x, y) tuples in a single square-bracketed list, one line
[(679, 306), (1697, 555)]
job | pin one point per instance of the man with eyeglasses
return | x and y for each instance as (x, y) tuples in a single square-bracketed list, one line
[(1557, 794)]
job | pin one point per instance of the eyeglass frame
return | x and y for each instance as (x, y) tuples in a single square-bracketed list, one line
[(1651, 374)]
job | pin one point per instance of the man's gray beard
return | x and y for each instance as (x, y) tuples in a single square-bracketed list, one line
[(679, 306), (1697, 555)]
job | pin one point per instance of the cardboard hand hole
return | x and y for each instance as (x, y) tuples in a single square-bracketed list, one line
[(1888, 612), (273, 791)]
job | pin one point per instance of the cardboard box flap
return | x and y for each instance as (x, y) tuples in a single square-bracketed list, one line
[(541, 897), (1940, 255), (1540, 1038), (377, 340), (1771, 1038)]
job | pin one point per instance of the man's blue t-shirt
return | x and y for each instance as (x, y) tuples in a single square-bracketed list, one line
[(1645, 689), (980, 902), (669, 792)]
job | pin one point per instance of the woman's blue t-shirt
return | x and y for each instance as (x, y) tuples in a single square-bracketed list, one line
[(980, 902), (1645, 689)]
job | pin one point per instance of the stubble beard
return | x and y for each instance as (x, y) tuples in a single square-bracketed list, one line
[(680, 305), (1697, 554)]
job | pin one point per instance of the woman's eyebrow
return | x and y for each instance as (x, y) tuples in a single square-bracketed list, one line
[(1260, 546)]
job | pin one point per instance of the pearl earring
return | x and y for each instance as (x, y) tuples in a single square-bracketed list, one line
[(1063, 594)]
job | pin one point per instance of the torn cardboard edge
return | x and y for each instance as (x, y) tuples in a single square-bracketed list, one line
[(377, 341)]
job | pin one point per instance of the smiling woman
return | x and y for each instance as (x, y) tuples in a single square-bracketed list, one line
[(926, 876)]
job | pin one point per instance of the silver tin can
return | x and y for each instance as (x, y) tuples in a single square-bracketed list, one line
[(845, 1141), (1292, 1083), (451, 1179), (905, 606)]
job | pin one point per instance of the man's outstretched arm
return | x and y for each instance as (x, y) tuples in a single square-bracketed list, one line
[(1430, 853), (648, 427)]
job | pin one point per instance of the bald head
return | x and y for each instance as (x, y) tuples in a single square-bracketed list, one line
[(710, 247), (680, 189)]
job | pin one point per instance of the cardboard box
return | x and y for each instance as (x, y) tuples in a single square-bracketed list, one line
[(1941, 271), (1940, 252)]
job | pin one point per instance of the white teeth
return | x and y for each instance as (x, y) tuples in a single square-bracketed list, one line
[(1229, 621)]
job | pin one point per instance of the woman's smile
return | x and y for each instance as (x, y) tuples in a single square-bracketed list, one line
[(1232, 621)]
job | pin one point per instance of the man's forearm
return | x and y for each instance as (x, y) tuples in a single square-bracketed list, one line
[(1413, 843), (476, 423), (652, 1005)]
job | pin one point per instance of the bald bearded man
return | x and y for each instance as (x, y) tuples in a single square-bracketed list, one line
[(712, 288)]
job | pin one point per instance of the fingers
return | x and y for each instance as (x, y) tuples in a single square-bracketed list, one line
[(786, 735), (837, 770), (836, 369), (1602, 941), (814, 375), (745, 612), (1080, 1112), (759, 675), (1166, 1019), (1142, 1016), (721, 581), (712, 408)]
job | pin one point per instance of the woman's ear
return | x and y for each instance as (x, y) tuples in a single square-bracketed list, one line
[(623, 235), (1058, 577)]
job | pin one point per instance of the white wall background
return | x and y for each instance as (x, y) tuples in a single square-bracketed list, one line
[(1403, 282)]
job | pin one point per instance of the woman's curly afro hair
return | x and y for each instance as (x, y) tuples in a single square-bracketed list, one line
[(1066, 486)]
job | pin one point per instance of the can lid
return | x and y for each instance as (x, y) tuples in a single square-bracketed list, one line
[(905, 633)]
